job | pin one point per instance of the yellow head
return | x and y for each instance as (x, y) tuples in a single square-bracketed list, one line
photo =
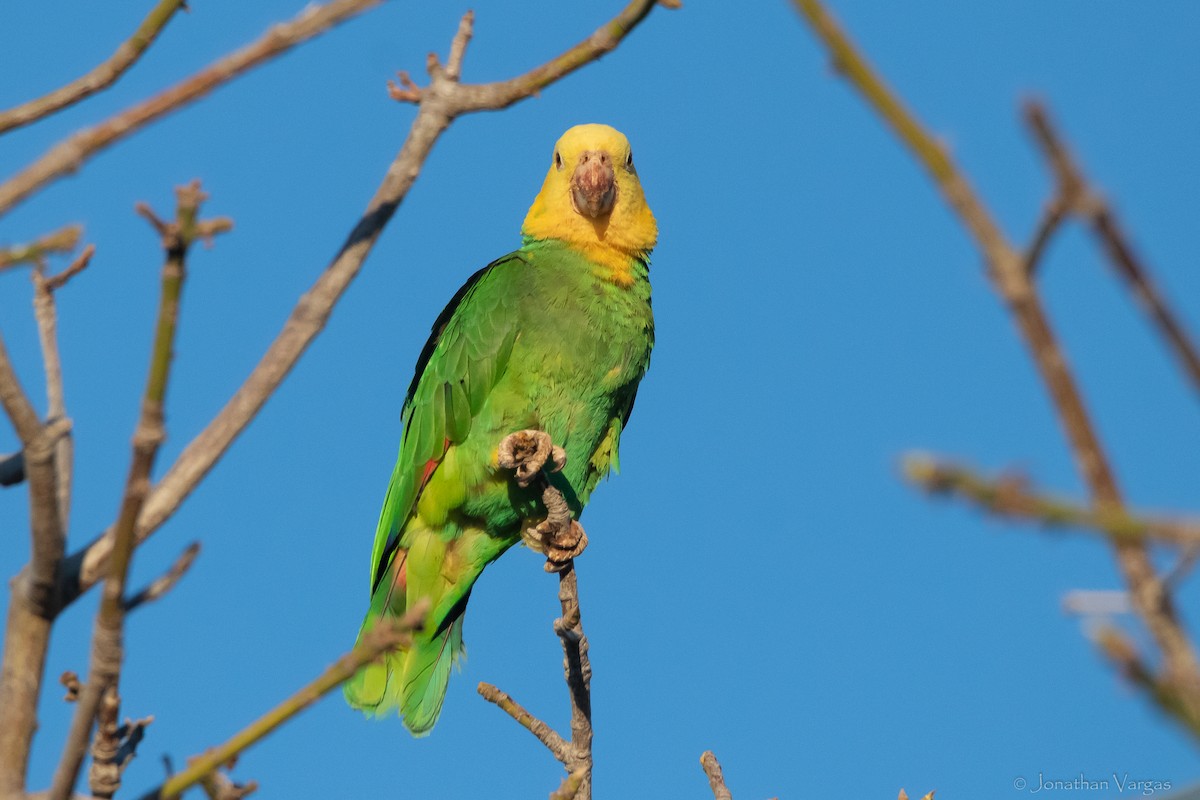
[(592, 200)]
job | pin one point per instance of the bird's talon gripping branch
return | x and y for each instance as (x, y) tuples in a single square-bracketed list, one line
[(527, 452), (559, 536), (560, 543)]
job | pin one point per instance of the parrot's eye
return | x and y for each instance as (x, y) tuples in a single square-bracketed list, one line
[(629, 159), (558, 160)]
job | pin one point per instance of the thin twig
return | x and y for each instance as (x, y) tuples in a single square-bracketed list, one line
[(1092, 207), (63, 240), (441, 102), (101, 77), (377, 641), (166, 582), (1051, 220), (716, 778), (104, 672), (1167, 693), (1012, 282), (46, 313), (544, 733), (1010, 497), (67, 156)]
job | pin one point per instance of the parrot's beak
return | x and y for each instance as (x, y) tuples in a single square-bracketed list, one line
[(593, 188)]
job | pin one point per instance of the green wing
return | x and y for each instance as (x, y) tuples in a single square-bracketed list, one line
[(466, 354)]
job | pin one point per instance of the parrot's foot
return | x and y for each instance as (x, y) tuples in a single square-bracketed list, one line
[(560, 542), (527, 452)]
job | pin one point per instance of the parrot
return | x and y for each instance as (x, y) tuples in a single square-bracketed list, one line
[(551, 339)]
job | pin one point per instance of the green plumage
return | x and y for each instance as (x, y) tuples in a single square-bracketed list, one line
[(538, 339)]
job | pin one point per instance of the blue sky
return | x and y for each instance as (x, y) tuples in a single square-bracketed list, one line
[(794, 607)]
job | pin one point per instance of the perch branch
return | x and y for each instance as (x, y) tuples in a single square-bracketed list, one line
[(108, 633), (1010, 497), (716, 778), (441, 102), (101, 77), (67, 156), (377, 641), (530, 454), (63, 240), (1006, 269), (1082, 200)]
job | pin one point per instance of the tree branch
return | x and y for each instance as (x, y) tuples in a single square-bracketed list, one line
[(544, 733), (1085, 202), (375, 643), (1006, 269), (1010, 497), (69, 154), (716, 778), (440, 103), (63, 240), (103, 76), (107, 637), (1166, 691)]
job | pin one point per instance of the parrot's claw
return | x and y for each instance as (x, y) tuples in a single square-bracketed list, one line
[(527, 452), (560, 543)]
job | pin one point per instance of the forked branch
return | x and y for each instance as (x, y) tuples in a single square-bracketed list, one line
[(1011, 280), (440, 103)]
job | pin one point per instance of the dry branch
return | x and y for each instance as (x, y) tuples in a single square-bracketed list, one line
[(63, 240), (1078, 197), (716, 778), (101, 77), (440, 103), (375, 643), (1011, 280), (107, 637), (67, 156), (544, 733), (1009, 496)]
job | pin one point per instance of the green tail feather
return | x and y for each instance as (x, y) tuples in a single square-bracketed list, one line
[(411, 681)]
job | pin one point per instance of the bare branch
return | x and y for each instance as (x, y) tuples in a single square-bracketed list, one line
[(56, 282), (114, 747), (32, 604), (107, 637), (375, 643), (1167, 692), (63, 240), (716, 778), (569, 788), (103, 76), (69, 154), (441, 102), (1051, 220), (166, 582), (1006, 268), (1090, 205), (46, 314), (1010, 497), (544, 733)]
